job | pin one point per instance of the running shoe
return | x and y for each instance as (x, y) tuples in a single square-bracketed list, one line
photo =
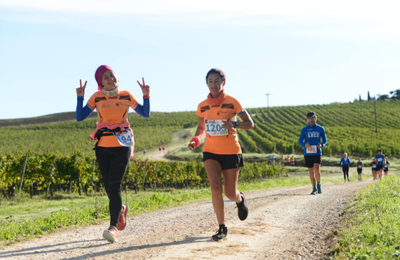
[(220, 234), (111, 234), (243, 211), (122, 217), (314, 191), (348, 180), (319, 188)]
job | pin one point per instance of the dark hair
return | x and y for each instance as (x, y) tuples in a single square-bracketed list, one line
[(311, 114), (219, 72)]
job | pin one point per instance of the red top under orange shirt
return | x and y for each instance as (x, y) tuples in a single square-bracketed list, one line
[(112, 110), (217, 140)]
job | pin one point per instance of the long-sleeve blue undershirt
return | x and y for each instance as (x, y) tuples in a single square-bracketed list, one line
[(82, 112)]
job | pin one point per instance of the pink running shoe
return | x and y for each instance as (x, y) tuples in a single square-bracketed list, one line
[(122, 217), (111, 234)]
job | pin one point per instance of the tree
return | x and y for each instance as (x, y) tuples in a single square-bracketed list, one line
[(383, 97), (369, 97), (359, 98), (395, 94)]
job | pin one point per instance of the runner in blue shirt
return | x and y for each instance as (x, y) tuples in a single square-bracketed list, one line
[(345, 163), (313, 138), (380, 157)]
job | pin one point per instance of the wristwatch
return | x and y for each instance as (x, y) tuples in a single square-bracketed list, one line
[(235, 124)]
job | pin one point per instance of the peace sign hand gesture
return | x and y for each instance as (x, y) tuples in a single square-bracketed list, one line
[(80, 92), (145, 88)]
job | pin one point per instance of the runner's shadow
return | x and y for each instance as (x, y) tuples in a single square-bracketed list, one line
[(35, 250), (188, 240), (39, 250)]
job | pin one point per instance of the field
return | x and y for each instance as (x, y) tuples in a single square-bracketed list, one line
[(60, 155), (350, 128)]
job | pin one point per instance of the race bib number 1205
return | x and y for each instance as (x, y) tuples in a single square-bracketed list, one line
[(214, 128)]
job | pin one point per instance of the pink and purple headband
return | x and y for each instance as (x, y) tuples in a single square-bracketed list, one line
[(99, 75)]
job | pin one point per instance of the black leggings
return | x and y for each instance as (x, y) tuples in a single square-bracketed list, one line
[(113, 162), (346, 172)]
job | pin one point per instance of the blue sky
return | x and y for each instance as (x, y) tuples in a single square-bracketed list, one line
[(301, 52)]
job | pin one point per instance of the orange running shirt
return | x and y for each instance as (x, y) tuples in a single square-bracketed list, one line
[(228, 111), (112, 110)]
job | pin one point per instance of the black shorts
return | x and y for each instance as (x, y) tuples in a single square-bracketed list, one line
[(227, 161), (386, 169), (359, 170), (378, 167), (311, 159)]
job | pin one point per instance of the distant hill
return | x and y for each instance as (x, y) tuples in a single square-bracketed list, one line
[(59, 117)]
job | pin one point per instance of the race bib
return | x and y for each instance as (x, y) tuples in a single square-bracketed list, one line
[(374, 166), (214, 128), (125, 138), (359, 166), (311, 149), (379, 159)]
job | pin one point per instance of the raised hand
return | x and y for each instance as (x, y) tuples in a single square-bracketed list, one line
[(145, 88), (80, 92)]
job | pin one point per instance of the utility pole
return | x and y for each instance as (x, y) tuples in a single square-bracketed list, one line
[(376, 125), (268, 105)]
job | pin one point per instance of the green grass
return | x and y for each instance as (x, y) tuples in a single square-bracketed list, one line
[(23, 217), (373, 231)]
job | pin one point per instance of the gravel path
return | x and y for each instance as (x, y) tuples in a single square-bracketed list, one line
[(285, 223), (160, 155)]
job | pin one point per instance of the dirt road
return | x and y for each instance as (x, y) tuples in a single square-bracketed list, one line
[(160, 155), (285, 223)]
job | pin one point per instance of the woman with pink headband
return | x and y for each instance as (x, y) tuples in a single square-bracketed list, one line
[(113, 136)]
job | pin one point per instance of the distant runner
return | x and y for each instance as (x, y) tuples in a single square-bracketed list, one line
[(222, 153), (380, 157), (360, 166), (114, 137), (345, 163), (373, 166), (386, 167), (313, 138)]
